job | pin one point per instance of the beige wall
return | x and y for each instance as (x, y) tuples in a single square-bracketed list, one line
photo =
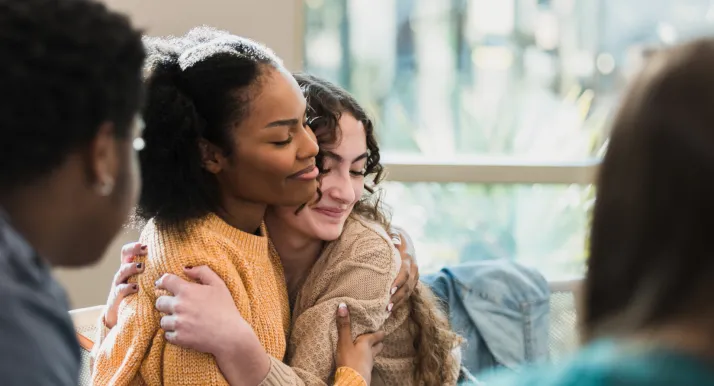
[(277, 23)]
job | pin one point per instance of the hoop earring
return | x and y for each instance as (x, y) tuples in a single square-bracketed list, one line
[(106, 187)]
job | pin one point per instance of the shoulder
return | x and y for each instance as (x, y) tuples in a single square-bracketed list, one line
[(164, 237), (39, 344), (607, 362), (172, 248), (366, 243)]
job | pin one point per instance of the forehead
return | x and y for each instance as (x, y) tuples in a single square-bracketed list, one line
[(352, 138), (276, 97)]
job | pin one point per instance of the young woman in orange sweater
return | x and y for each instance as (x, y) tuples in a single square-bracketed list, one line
[(225, 137), (336, 250)]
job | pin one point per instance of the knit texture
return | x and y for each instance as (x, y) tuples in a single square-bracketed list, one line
[(349, 377), (136, 352), (357, 269), (281, 375)]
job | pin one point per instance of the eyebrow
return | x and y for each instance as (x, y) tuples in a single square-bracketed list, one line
[(284, 122), (339, 158)]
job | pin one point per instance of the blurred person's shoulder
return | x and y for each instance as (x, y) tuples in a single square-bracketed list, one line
[(39, 345), (609, 363)]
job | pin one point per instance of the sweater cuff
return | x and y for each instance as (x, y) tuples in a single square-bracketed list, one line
[(347, 376), (278, 375)]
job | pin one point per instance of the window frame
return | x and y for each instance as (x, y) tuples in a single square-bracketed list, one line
[(478, 169)]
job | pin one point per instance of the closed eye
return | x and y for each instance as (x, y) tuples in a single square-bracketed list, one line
[(283, 143)]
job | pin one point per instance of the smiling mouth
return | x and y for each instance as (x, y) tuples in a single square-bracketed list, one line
[(330, 212), (309, 173)]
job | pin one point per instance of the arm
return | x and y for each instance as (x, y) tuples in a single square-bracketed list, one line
[(209, 309), (211, 323), (136, 348), (351, 355), (360, 277), (119, 357), (120, 289)]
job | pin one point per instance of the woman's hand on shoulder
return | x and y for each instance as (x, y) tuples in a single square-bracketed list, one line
[(408, 276), (120, 286), (200, 315)]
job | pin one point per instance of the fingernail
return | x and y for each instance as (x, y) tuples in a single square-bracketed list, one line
[(394, 290), (134, 287), (396, 241), (389, 307), (156, 283), (143, 247), (342, 309), (139, 265)]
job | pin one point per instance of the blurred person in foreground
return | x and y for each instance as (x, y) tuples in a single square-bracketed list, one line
[(649, 314), (71, 86)]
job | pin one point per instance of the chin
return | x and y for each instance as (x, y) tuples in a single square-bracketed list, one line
[(329, 232), (300, 196), (79, 260)]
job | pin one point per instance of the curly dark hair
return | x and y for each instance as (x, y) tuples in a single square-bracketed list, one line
[(67, 67), (198, 86), (326, 102), (433, 339)]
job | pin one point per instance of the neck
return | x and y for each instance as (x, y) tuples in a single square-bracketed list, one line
[(298, 252), (244, 215), (44, 220)]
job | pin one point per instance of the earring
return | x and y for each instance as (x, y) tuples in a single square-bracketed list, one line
[(105, 187)]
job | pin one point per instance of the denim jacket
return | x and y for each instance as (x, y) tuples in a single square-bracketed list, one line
[(501, 308)]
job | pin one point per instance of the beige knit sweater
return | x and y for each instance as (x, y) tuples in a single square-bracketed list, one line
[(357, 269)]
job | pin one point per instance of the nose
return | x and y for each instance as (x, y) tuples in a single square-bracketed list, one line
[(307, 144), (338, 186)]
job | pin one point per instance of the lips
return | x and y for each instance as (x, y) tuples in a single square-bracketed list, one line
[(309, 173), (330, 212)]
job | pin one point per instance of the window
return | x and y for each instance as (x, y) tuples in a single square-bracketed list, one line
[(492, 114)]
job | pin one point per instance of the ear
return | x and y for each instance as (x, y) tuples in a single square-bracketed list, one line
[(103, 160), (212, 158)]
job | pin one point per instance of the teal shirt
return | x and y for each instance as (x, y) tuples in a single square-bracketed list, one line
[(607, 363)]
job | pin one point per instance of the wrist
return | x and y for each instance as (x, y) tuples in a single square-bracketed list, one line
[(236, 341), (243, 359)]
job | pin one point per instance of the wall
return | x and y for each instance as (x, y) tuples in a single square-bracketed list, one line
[(277, 23)]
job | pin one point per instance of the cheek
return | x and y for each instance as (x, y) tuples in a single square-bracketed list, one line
[(358, 187), (262, 161)]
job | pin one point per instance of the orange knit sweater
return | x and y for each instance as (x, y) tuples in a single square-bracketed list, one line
[(135, 351)]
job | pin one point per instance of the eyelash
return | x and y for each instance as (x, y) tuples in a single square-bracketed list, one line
[(353, 173), (283, 143)]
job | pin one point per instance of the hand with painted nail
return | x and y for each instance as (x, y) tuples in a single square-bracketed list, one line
[(121, 288), (408, 276), (358, 354), (200, 315)]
